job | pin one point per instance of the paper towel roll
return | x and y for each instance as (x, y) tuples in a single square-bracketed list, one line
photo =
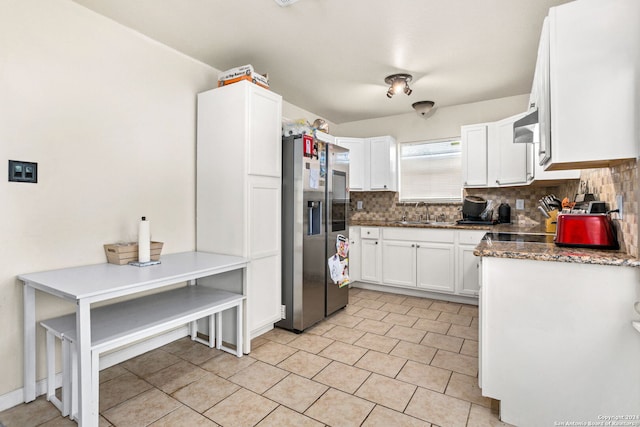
[(144, 241)]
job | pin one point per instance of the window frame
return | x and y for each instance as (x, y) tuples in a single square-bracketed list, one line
[(458, 199)]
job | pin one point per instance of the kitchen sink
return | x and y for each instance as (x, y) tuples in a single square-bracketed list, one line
[(409, 222)]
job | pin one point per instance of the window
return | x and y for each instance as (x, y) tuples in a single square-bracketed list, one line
[(431, 171)]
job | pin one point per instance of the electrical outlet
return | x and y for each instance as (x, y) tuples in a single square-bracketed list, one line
[(519, 204), (23, 171), (619, 204), (359, 205), (283, 311)]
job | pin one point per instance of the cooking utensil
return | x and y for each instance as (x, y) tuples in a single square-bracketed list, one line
[(544, 212), (544, 205), (473, 206)]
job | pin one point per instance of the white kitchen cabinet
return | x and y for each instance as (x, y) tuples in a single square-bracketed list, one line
[(383, 167), (421, 261), (435, 267), (355, 256), (541, 174), (467, 264), (474, 155), (490, 158), (371, 255), (372, 163), (538, 332), (508, 163), (239, 189), (399, 262), (358, 166), (594, 73), (422, 258)]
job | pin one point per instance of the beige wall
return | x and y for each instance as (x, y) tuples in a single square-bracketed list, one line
[(110, 118), (445, 122)]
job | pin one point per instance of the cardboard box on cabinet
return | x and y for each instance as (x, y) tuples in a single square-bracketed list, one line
[(245, 72)]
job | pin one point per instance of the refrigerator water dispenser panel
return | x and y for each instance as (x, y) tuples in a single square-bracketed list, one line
[(314, 208)]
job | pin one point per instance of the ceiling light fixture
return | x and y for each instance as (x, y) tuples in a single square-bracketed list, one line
[(398, 83), (423, 107)]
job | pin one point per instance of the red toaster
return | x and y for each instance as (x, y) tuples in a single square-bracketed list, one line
[(586, 230)]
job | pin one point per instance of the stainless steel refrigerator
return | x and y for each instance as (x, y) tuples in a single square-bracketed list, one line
[(315, 202)]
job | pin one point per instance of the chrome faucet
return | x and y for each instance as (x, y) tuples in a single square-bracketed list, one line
[(426, 205)]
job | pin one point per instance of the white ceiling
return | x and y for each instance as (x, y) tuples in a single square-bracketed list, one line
[(331, 56)]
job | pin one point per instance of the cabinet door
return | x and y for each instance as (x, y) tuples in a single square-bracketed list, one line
[(509, 163), (468, 273), (354, 254), (265, 132), (398, 263), (358, 166), (435, 267), (264, 271), (594, 80), (474, 155), (383, 163), (370, 260)]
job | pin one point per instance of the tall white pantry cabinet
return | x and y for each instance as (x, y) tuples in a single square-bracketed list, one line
[(238, 191)]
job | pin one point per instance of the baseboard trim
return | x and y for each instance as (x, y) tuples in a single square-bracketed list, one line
[(416, 293)]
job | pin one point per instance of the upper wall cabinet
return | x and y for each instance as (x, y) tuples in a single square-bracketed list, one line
[(384, 163), (508, 163), (490, 158), (474, 155), (372, 163), (594, 83)]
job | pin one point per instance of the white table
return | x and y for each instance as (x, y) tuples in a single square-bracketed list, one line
[(87, 285)]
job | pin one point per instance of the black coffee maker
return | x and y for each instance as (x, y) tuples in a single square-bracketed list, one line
[(504, 213)]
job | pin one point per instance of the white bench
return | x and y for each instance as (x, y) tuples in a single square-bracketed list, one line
[(120, 324)]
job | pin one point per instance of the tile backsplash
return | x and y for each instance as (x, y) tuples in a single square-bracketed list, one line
[(604, 183), (385, 205)]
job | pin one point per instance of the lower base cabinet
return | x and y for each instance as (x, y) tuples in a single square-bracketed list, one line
[(418, 258), (399, 263), (370, 255), (355, 250), (467, 280), (437, 260), (538, 334), (435, 267)]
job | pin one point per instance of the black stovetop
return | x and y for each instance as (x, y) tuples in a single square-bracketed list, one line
[(515, 237)]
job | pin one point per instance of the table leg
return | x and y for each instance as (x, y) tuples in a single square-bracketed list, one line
[(240, 330), (29, 313), (246, 335), (87, 401)]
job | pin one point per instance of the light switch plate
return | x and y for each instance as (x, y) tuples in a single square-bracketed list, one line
[(359, 205), (519, 204)]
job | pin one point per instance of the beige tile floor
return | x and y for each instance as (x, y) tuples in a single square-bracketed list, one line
[(385, 360)]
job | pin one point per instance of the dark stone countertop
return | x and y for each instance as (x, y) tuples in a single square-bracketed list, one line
[(520, 249)]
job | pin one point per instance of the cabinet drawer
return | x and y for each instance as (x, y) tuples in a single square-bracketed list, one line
[(369, 233), (470, 237), (419, 235)]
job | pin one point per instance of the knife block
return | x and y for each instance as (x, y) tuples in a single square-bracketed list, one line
[(550, 223)]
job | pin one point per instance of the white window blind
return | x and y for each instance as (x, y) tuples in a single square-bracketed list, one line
[(431, 170)]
